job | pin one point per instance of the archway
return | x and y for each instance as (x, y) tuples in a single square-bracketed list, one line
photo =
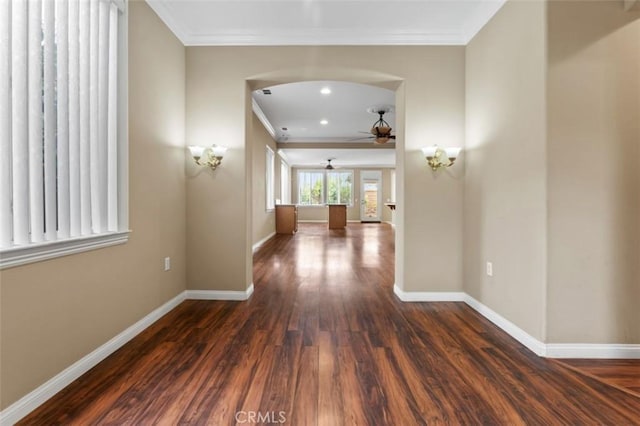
[(352, 75)]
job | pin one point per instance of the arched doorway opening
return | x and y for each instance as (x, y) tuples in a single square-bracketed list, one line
[(359, 76)]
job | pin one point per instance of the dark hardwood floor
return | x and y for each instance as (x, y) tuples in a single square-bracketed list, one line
[(623, 373), (324, 341)]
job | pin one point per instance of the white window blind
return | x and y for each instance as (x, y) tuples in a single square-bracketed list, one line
[(311, 187), (60, 134), (340, 187)]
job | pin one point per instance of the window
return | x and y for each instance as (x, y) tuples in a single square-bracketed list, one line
[(339, 187), (285, 183), (63, 138), (270, 179), (312, 184), (310, 187), (393, 186)]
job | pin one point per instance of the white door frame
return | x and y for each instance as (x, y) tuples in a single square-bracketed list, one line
[(369, 175)]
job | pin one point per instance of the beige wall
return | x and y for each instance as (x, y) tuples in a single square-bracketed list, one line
[(505, 162), (264, 222), (57, 311), (431, 80), (562, 177), (353, 212), (594, 173)]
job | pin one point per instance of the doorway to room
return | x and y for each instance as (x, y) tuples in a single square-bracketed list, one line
[(369, 187), (371, 195)]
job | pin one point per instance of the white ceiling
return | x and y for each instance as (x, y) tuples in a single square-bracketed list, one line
[(300, 106), (341, 158), (325, 22)]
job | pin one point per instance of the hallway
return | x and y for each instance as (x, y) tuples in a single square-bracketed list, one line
[(324, 341)]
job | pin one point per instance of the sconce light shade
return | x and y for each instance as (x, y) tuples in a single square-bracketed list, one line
[(438, 158), (212, 155), (430, 151), (452, 153), (196, 151), (218, 151)]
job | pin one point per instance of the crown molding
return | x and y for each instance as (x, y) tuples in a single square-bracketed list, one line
[(160, 8), (325, 37), (263, 119)]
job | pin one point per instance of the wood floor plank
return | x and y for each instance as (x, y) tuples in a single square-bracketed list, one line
[(622, 373), (324, 341), (305, 400), (330, 402)]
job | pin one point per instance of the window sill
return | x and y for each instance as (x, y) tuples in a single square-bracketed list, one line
[(22, 255)]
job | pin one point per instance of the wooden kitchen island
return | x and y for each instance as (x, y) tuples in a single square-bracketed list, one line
[(337, 216)]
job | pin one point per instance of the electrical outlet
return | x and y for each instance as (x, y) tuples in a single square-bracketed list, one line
[(167, 263), (490, 269)]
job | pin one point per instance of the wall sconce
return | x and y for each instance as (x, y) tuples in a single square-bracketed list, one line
[(438, 157), (211, 156)]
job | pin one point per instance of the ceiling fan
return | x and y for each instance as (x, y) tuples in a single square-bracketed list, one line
[(329, 166), (381, 130)]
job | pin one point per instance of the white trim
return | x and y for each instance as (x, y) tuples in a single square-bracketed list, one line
[(548, 350), (25, 405), (219, 294), (21, 255), (263, 118), (257, 245), (37, 397), (42, 393), (507, 326), (284, 156), (535, 345), (428, 296), (592, 350), (160, 8), (323, 36)]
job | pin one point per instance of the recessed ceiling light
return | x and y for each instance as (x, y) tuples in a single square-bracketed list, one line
[(324, 122), (325, 90)]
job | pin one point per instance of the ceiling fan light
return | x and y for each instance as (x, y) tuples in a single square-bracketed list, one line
[(382, 139), (329, 166), (381, 131)]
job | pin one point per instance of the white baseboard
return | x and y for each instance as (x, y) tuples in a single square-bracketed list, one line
[(428, 296), (219, 294), (548, 350), (535, 345), (592, 350), (40, 395), (37, 397), (257, 245)]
